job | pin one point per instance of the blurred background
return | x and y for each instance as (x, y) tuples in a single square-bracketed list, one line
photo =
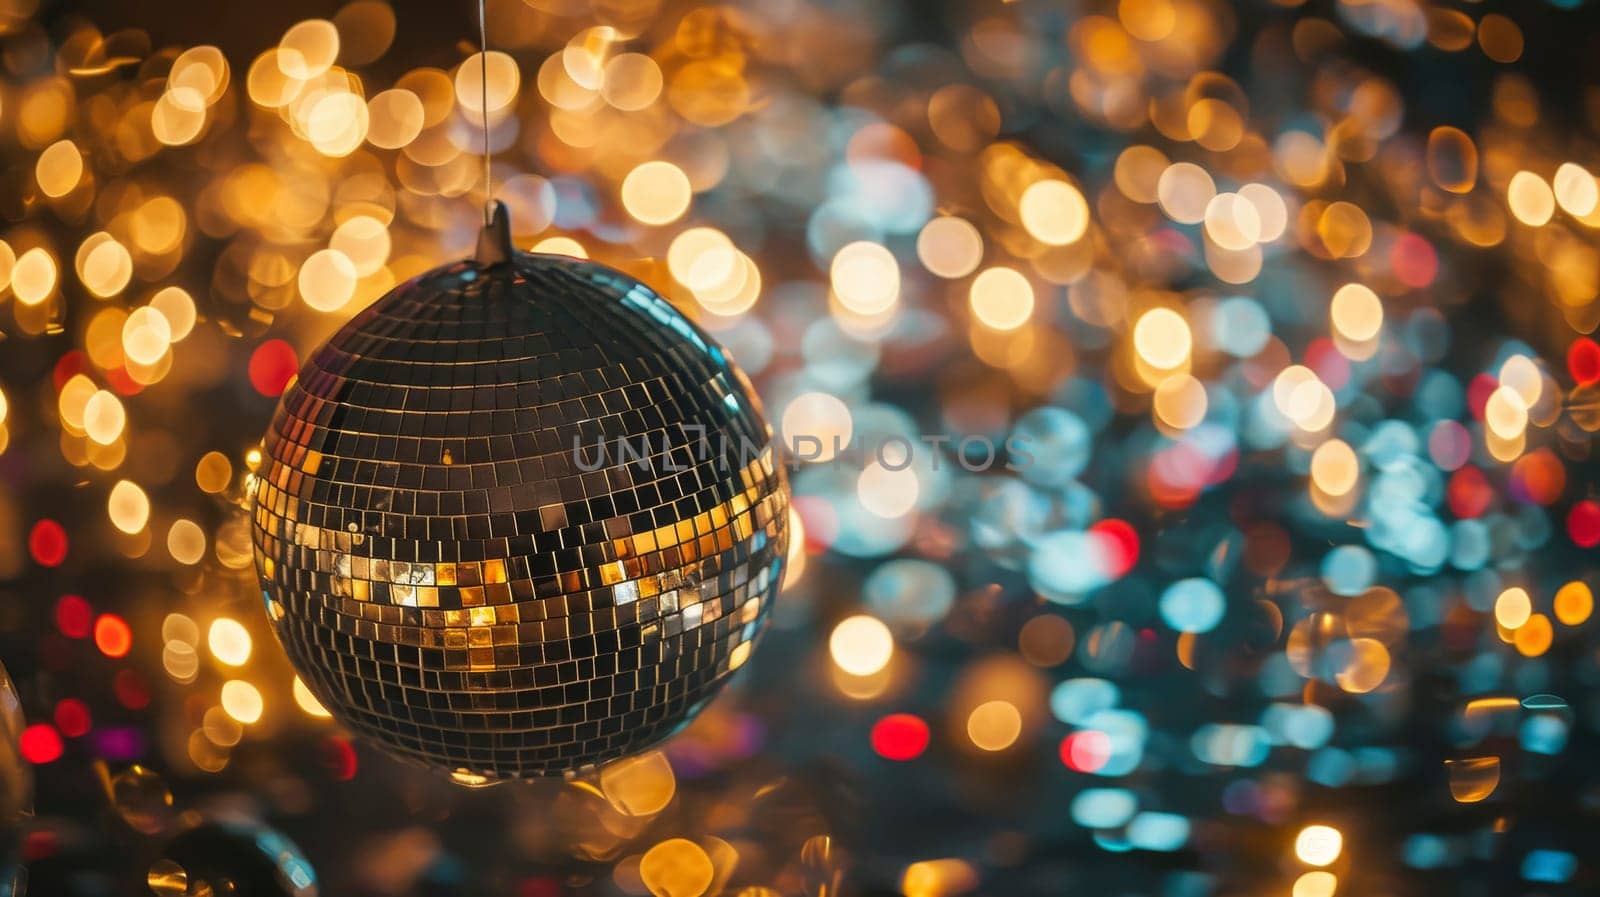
[(1289, 302)]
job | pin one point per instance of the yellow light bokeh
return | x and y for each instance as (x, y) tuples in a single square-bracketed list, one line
[(308, 49), (816, 426), (656, 193), (861, 645), (1576, 190), (128, 507), (104, 417), (1574, 602), (242, 701), (1356, 312), (1180, 401), (1335, 468), (504, 81), (327, 280), (33, 278), (1534, 637), (1054, 212), (1513, 608), (865, 278), (1002, 298), (59, 169), (229, 642), (1162, 339), (104, 265), (950, 247), (994, 725), (1506, 413), (1531, 199), (888, 492), (186, 541), (1318, 845), (676, 867)]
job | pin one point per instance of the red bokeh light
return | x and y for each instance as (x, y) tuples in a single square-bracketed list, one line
[(1478, 393), (900, 736), (1413, 260), (40, 744), (112, 635), (72, 717), (1119, 543), (132, 692), (68, 366), (1469, 493), (122, 382), (340, 756), (74, 616), (1332, 368), (1583, 361), (272, 366), (1583, 523), (48, 543), (1538, 477), (1086, 751)]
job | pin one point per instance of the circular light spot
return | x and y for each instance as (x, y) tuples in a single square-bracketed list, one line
[(865, 278), (1054, 212), (950, 247), (242, 701), (994, 725), (656, 193), (229, 642), (1161, 337), (1356, 312), (861, 645), (1318, 845), (1002, 298), (1335, 468), (327, 280)]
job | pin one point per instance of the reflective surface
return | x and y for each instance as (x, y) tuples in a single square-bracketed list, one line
[(448, 575)]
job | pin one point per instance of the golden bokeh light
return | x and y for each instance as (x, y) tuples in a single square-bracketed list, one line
[(1162, 339), (308, 49), (1531, 199), (186, 541), (33, 277), (327, 280), (504, 81), (950, 246), (1335, 468), (1318, 845), (1356, 312), (229, 641), (1054, 212), (104, 418), (1573, 604), (994, 725), (242, 701), (865, 278), (861, 645), (59, 169), (656, 193), (1513, 608), (394, 118), (1180, 401), (1002, 298), (128, 507)]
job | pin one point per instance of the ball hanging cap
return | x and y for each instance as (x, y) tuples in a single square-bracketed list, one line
[(494, 241)]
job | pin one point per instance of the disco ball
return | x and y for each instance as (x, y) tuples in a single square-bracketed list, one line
[(518, 517)]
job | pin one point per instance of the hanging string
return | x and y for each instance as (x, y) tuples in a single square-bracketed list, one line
[(483, 111)]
